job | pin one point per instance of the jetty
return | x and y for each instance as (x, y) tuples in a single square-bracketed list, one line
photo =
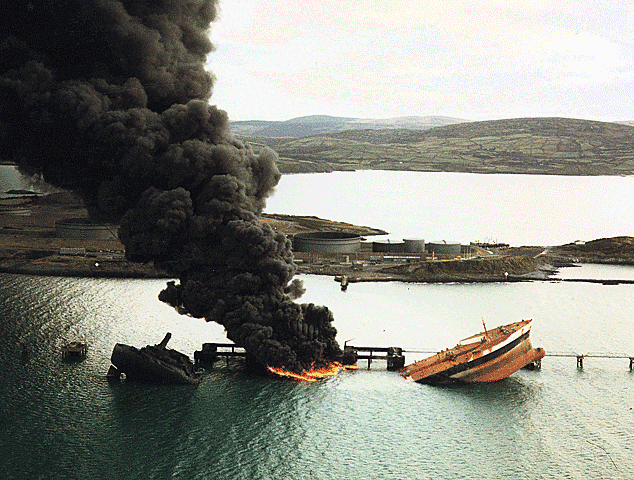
[(580, 357), (211, 352), (393, 356)]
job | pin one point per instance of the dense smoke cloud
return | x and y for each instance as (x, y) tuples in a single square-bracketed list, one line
[(108, 98)]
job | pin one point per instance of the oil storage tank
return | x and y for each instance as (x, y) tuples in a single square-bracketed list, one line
[(414, 245), (85, 229), (444, 247), (327, 242), (387, 246)]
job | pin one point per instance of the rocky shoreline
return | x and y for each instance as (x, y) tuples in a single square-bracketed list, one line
[(27, 268)]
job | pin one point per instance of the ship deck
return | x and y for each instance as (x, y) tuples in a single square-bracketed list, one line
[(466, 350)]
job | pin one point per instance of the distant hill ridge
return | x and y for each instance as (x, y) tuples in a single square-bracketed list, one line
[(316, 124), (543, 145), (481, 132)]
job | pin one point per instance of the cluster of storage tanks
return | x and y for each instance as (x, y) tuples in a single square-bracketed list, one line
[(315, 242), (438, 247), (341, 242)]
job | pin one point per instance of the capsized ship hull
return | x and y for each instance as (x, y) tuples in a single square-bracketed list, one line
[(485, 357)]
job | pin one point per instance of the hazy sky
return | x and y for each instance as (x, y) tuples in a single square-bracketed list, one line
[(472, 59)]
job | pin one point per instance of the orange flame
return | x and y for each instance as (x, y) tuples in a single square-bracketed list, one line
[(313, 374)]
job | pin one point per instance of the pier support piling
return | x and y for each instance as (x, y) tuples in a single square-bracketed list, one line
[(395, 358), (593, 355), (393, 355), (534, 365), (210, 353)]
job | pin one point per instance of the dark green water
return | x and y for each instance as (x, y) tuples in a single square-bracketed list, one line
[(64, 419)]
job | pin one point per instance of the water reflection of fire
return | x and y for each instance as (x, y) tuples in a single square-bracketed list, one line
[(313, 374)]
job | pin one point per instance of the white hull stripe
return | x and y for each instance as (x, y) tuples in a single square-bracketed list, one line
[(450, 372)]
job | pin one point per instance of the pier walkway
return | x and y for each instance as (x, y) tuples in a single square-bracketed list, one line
[(578, 356)]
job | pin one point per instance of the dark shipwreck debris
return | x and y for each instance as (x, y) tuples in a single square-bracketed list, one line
[(153, 363)]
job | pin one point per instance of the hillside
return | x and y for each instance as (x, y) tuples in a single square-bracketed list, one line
[(318, 124), (558, 146), (608, 250), (28, 245)]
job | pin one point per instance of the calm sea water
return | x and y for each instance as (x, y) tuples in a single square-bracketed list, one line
[(64, 419), (10, 179), (514, 209)]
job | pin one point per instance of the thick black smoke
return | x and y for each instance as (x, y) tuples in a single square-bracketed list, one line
[(108, 98)]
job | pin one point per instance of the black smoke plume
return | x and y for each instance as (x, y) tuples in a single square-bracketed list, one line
[(108, 98)]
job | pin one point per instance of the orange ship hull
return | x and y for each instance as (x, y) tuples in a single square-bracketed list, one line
[(486, 357)]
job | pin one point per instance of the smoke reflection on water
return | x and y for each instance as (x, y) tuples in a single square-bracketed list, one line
[(64, 419)]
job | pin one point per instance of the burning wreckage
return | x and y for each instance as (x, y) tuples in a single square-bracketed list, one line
[(159, 364), (109, 100), (482, 358)]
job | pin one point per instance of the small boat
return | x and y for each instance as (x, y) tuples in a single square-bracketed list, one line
[(485, 357), (74, 349), (153, 363)]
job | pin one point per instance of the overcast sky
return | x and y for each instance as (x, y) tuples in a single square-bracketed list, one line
[(471, 59)]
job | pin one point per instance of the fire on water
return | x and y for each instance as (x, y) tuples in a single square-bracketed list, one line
[(313, 374)]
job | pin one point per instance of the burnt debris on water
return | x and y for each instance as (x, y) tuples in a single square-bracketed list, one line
[(109, 100)]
